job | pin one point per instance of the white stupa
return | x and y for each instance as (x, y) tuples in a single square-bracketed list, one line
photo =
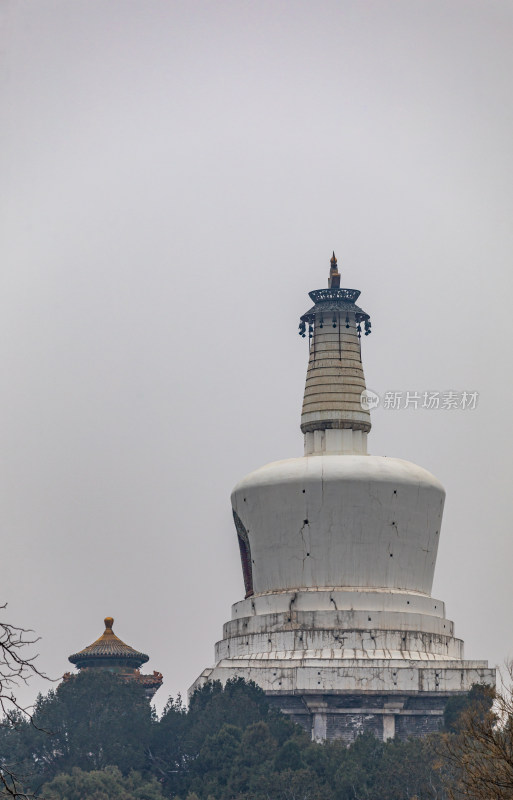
[(338, 553)]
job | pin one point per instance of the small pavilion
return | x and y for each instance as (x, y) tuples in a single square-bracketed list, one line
[(110, 653)]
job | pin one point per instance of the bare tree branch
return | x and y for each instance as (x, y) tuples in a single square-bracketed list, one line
[(480, 755), (16, 668)]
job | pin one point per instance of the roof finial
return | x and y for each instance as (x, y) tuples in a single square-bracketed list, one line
[(109, 622), (334, 280)]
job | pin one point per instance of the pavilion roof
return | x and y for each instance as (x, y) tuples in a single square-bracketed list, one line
[(109, 647)]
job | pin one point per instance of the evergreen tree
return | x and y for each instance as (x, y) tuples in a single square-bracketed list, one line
[(95, 728), (92, 720), (106, 784)]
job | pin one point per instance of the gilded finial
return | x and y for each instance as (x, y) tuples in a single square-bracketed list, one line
[(109, 622), (334, 280)]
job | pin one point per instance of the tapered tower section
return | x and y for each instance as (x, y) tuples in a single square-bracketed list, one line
[(338, 552), (332, 418)]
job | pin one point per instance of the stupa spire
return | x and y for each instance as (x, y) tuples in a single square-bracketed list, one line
[(334, 279), (332, 418)]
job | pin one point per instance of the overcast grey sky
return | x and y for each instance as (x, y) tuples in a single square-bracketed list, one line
[(174, 177)]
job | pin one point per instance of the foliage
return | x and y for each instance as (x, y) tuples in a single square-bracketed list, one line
[(229, 745), (105, 784), (480, 753), (480, 696), (92, 720), (187, 746)]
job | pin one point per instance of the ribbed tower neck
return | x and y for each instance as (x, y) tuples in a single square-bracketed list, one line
[(333, 420)]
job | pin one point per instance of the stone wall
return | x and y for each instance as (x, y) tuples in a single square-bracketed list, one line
[(347, 716)]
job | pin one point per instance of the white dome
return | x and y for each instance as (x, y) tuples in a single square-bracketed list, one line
[(340, 521)]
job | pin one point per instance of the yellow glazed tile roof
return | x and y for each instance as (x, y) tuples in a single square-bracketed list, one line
[(109, 646)]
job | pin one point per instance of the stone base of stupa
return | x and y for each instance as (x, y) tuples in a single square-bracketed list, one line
[(344, 662), (341, 698)]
